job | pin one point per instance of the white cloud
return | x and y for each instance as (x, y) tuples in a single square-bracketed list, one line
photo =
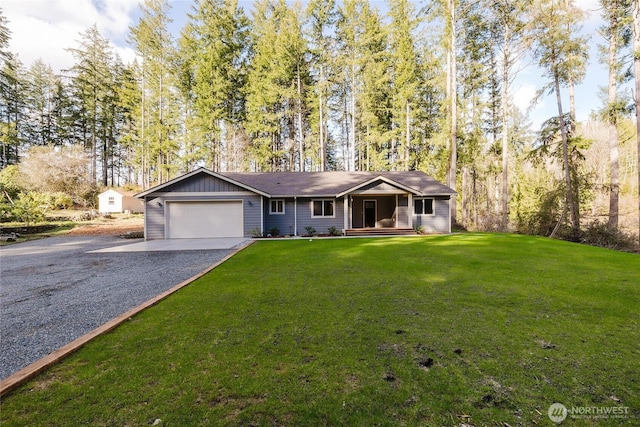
[(43, 29)]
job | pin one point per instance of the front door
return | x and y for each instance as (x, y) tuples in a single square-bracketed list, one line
[(370, 213)]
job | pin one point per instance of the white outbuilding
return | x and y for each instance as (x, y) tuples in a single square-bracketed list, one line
[(115, 201)]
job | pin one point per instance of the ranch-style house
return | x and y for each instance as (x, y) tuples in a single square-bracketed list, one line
[(207, 204)]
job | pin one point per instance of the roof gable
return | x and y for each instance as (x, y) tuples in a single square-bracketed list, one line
[(200, 180)]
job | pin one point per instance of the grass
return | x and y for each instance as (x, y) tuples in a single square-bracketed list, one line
[(54, 228), (61, 222), (482, 329)]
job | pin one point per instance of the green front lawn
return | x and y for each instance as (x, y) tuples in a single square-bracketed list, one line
[(483, 329)]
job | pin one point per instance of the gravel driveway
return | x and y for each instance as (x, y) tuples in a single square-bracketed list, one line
[(52, 291)]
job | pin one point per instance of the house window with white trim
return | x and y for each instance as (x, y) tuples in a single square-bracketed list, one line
[(111, 200), (322, 208), (423, 207), (276, 207)]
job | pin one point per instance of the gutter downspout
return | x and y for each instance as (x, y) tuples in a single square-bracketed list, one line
[(295, 216)]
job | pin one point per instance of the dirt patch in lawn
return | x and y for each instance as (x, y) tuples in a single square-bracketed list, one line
[(109, 227)]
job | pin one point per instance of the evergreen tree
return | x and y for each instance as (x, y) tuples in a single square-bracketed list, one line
[(94, 87), (562, 56), (617, 32), (41, 128), (636, 71), (159, 122), (216, 47), (276, 87), (404, 63), (321, 19), (11, 99)]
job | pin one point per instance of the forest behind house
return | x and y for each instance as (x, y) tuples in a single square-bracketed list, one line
[(323, 85)]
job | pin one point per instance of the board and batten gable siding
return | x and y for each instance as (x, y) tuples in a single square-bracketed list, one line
[(202, 183), (378, 188), (440, 221), (305, 213), (155, 217)]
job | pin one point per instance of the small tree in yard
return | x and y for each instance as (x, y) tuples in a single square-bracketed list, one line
[(59, 169), (31, 207)]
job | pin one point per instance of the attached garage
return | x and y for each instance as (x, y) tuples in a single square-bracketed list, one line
[(204, 219)]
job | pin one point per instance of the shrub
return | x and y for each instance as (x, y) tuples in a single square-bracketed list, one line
[(333, 231), (310, 230), (10, 181), (61, 200), (274, 231), (600, 234), (255, 233), (30, 207)]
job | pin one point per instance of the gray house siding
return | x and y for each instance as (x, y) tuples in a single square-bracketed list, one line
[(402, 211), (283, 222), (154, 218), (202, 183), (439, 222), (305, 217), (155, 213)]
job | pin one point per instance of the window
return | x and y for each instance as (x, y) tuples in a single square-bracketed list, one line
[(276, 207), (423, 207), (111, 201), (322, 208)]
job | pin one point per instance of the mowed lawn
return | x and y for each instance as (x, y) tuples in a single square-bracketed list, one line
[(482, 329)]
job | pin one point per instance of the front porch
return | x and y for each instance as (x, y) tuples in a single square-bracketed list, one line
[(378, 214), (386, 231)]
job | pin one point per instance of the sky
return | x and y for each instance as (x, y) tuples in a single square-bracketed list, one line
[(43, 29)]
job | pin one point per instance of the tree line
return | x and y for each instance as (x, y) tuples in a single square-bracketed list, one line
[(322, 85)]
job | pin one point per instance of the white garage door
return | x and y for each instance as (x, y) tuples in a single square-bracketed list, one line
[(192, 220)]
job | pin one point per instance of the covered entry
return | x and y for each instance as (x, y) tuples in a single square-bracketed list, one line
[(204, 219)]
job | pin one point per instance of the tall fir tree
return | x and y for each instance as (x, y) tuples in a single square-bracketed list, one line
[(562, 56), (154, 45), (216, 47)]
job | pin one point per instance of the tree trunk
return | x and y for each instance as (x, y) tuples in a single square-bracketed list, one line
[(300, 132), (614, 185), (323, 149), (636, 69), (352, 133), (505, 129), (570, 199), (408, 138), (453, 71)]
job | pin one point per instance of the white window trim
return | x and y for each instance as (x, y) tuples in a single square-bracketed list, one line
[(111, 200), (422, 199), (323, 200), (271, 212)]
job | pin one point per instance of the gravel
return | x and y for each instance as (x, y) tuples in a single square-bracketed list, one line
[(52, 291)]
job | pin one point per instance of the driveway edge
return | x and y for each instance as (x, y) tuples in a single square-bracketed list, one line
[(13, 381)]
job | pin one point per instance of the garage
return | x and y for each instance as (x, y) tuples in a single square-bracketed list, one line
[(204, 219)]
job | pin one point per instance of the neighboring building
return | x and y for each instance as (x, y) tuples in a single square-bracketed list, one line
[(203, 203), (114, 201)]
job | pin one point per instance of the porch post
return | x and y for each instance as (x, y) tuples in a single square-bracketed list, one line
[(410, 210), (295, 216), (345, 220)]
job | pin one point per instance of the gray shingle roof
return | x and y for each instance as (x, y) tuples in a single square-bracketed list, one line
[(319, 184), (285, 184)]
